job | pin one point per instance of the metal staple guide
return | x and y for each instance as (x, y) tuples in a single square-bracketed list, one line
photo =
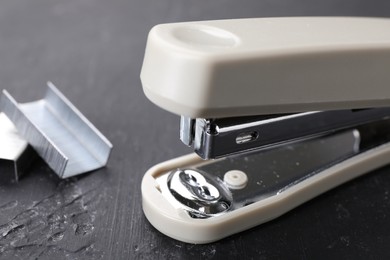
[(60, 134)]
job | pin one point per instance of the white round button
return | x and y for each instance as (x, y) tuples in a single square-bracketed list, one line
[(235, 179)]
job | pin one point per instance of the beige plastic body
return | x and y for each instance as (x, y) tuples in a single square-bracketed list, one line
[(177, 224), (268, 65)]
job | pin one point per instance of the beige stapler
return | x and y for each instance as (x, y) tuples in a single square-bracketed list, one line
[(287, 108)]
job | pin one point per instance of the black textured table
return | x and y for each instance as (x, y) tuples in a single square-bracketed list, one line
[(93, 50)]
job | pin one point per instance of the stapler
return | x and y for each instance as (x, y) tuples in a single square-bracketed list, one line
[(277, 110)]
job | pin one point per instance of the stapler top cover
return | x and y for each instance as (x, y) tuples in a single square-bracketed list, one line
[(227, 68)]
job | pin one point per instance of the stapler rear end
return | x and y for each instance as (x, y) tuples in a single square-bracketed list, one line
[(288, 108)]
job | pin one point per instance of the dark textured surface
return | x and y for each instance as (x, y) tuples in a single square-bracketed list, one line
[(92, 50)]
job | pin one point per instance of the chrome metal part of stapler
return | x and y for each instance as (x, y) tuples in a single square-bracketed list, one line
[(288, 108)]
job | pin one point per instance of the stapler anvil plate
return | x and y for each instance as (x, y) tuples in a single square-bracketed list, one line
[(288, 108)]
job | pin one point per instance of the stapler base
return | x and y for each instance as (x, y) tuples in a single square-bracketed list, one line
[(199, 202)]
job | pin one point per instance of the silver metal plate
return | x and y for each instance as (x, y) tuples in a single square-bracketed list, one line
[(221, 137), (269, 172), (60, 134)]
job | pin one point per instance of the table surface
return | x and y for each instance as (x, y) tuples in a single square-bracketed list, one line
[(93, 50)]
